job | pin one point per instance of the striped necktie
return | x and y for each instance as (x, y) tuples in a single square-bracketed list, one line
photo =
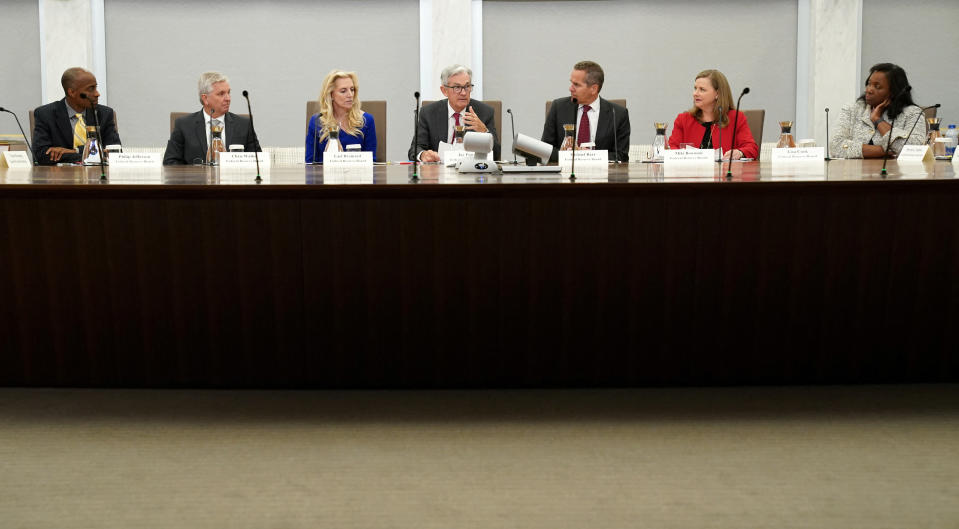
[(79, 132)]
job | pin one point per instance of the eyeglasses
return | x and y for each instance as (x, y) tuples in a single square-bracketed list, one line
[(460, 89)]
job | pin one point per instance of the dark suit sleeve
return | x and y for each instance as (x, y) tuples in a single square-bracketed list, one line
[(44, 138), (174, 147), (109, 132), (422, 141), (622, 116), (549, 131)]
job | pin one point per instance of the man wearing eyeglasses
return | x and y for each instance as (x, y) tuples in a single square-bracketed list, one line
[(438, 120)]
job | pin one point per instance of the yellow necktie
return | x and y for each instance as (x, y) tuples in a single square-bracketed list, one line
[(79, 132)]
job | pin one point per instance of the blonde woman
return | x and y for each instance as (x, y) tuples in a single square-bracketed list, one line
[(700, 124), (340, 109)]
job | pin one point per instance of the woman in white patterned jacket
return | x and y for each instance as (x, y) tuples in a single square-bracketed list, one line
[(884, 108)]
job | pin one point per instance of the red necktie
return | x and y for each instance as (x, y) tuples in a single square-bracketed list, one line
[(583, 135)]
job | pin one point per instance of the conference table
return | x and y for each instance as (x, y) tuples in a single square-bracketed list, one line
[(633, 274)]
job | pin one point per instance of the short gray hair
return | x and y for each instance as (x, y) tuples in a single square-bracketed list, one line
[(450, 71), (207, 80)]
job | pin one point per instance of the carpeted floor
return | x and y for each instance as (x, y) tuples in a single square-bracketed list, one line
[(806, 457)]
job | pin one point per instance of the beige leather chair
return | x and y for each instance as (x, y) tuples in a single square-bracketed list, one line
[(497, 116), (621, 102), (376, 108), (755, 119)]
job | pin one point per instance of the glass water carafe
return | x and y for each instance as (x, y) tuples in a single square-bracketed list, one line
[(786, 135), (91, 149), (569, 142), (216, 143), (459, 131), (933, 131), (333, 140), (659, 142)]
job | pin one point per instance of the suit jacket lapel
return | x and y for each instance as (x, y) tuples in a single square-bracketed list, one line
[(63, 122), (605, 118)]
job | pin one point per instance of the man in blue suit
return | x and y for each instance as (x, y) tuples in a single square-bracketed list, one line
[(59, 130)]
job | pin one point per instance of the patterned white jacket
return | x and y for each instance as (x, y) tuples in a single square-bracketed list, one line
[(855, 129)]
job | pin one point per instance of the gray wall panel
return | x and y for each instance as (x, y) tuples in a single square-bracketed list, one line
[(922, 39), (19, 62), (279, 51), (650, 51)]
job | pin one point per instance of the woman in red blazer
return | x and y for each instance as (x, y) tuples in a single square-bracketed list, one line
[(711, 91)]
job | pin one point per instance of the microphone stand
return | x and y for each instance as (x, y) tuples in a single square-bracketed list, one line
[(732, 144), (512, 126), (96, 120), (416, 138), (572, 165), (209, 147), (256, 153), (25, 140), (827, 135), (719, 126), (885, 152)]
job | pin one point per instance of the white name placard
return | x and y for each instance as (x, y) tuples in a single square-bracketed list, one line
[(453, 157), (138, 160), (689, 156), (347, 174), (585, 157), (230, 160), (16, 159), (358, 158), (799, 155), (915, 153)]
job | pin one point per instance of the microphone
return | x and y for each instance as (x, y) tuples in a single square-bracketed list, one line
[(25, 140), (512, 126), (96, 120), (615, 136), (885, 154), (827, 135), (732, 144), (719, 125), (572, 165), (209, 147), (416, 137), (256, 153)]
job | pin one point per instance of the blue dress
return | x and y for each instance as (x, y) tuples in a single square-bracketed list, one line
[(315, 146)]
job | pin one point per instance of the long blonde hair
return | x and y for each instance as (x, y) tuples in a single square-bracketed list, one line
[(721, 86), (354, 124)]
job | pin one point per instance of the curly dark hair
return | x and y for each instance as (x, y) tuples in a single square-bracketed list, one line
[(901, 92)]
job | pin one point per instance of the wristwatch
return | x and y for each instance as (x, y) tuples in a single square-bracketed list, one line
[(876, 122)]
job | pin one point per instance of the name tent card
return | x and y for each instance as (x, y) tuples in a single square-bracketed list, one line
[(454, 157), (799, 155), (915, 153), (358, 158), (15, 160), (585, 157), (701, 157), (138, 160), (244, 160)]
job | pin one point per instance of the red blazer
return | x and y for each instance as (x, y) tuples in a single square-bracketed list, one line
[(687, 130)]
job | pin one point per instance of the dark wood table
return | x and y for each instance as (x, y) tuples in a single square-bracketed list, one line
[(197, 277)]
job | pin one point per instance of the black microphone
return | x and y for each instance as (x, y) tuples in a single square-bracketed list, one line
[(827, 135), (572, 165), (719, 126), (256, 153), (885, 152), (512, 126), (732, 144), (96, 121), (209, 147), (615, 135), (416, 137), (29, 148)]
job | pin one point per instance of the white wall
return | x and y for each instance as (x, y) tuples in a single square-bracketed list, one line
[(922, 37), (650, 51), (279, 51), (19, 62)]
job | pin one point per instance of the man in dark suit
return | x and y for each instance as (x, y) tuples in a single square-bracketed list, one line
[(59, 131), (598, 126), (437, 120), (191, 134)]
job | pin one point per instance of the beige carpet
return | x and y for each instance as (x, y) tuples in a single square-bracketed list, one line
[(843, 457)]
